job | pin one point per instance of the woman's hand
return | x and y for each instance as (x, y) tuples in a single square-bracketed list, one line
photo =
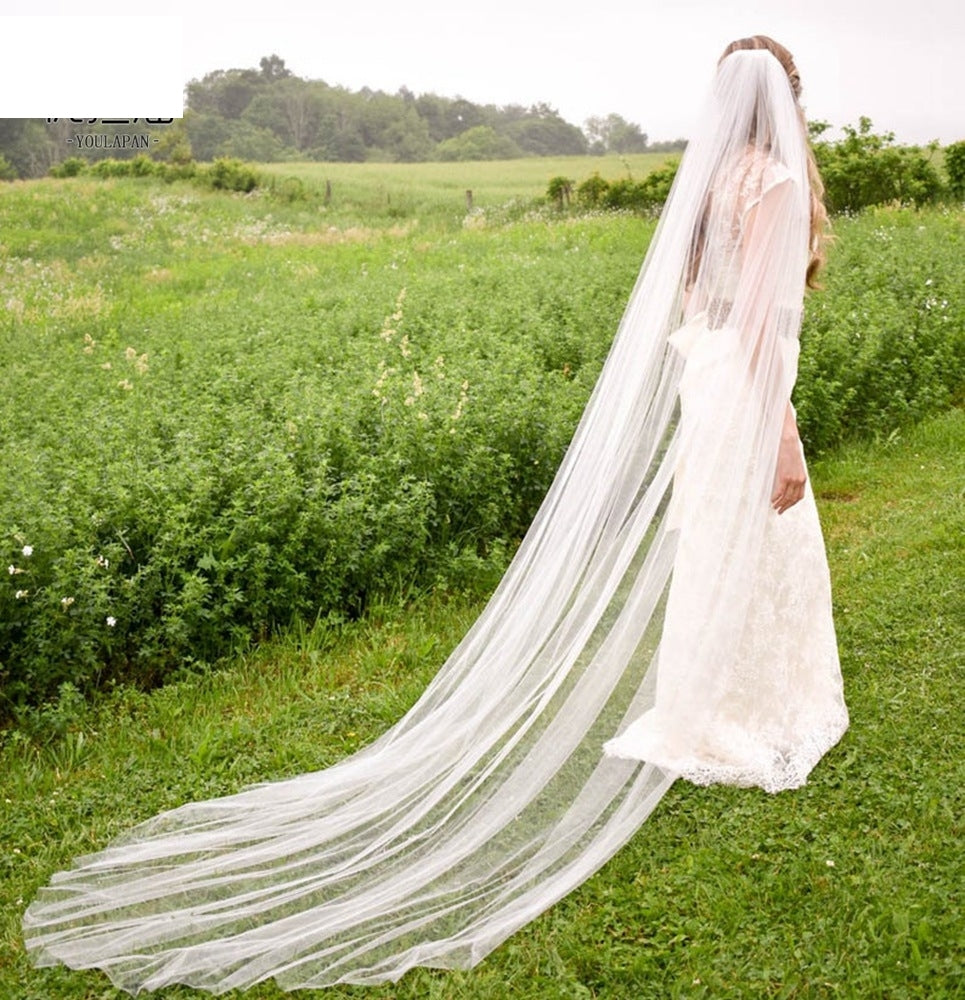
[(791, 474)]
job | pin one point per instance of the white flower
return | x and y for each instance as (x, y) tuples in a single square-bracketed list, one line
[(102, 561), (67, 601), (22, 594), (11, 570), (111, 621), (28, 550), (829, 863)]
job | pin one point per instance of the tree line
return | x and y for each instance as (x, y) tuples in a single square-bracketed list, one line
[(269, 114)]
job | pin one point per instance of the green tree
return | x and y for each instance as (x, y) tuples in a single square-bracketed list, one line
[(955, 168), (224, 92), (614, 134), (273, 68), (542, 132), (479, 143), (407, 138)]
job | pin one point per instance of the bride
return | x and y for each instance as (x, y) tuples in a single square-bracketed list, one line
[(667, 615)]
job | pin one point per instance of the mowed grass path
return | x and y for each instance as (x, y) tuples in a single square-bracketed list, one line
[(847, 888)]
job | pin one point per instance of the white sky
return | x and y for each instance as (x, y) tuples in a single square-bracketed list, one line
[(896, 61)]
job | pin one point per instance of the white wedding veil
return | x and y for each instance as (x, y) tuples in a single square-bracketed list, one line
[(493, 798)]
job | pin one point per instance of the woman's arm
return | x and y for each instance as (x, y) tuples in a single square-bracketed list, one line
[(765, 227), (790, 475)]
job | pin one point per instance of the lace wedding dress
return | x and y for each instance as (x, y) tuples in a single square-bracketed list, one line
[(766, 712)]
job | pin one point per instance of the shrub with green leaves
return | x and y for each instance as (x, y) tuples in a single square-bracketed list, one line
[(955, 168), (72, 166), (592, 191), (868, 168), (646, 195), (229, 174), (8, 172), (884, 343)]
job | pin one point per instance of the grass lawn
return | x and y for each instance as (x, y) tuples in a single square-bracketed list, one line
[(847, 888)]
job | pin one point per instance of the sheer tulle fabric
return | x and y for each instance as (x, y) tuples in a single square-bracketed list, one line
[(492, 798)]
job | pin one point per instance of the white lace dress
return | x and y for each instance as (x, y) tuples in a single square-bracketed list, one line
[(764, 711)]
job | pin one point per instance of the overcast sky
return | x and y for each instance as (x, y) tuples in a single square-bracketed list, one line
[(896, 61)]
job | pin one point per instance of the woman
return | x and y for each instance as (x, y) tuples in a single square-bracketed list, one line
[(669, 601), (748, 682)]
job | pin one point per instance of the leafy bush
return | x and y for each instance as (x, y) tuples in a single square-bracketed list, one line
[(593, 190), (110, 167), (8, 172), (229, 174), (955, 168), (71, 167), (866, 168), (884, 344), (289, 189), (647, 195), (176, 170), (559, 190)]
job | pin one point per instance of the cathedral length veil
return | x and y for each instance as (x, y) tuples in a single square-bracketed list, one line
[(493, 797)]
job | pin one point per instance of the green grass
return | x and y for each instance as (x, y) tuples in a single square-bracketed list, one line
[(847, 888)]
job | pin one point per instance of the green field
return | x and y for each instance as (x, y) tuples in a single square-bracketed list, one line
[(847, 888), (434, 186), (274, 451)]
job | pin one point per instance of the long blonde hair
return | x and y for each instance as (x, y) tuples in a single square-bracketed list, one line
[(819, 213)]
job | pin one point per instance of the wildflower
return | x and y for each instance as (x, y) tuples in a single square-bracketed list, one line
[(404, 346), (102, 561), (130, 354), (829, 863), (417, 387), (21, 594), (463, 397), (106, 366), (13, 570), (111, 621), (28, 550), (89, 344), (125, 385), (67, 601)]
